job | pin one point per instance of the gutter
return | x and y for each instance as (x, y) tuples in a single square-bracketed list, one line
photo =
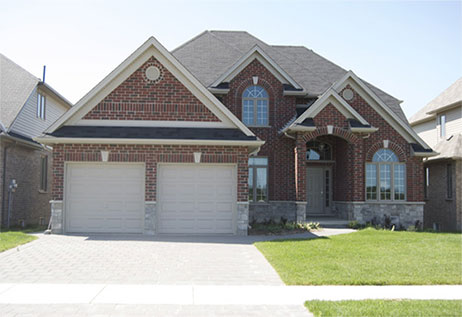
[(55, 140)]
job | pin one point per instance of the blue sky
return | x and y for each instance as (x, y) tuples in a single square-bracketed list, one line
[(410, 49)]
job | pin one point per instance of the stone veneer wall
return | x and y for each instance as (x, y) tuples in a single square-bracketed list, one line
[(272, 211), (401, 214)]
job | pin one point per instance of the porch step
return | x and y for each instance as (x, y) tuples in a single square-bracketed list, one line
[(328, 221)]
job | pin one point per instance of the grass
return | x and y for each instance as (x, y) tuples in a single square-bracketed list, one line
[(11, 239), (395, 308), (368, 257)]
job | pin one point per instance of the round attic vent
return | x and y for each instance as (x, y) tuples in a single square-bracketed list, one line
[(152, 73), (348, 94)]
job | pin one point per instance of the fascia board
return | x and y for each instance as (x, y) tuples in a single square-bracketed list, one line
[(56, 140), (256, 53), (151, 48), (405, 130)]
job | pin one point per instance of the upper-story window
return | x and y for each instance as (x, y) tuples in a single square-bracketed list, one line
[(41, 106), (442, 125), (255, 106), (385, 177)]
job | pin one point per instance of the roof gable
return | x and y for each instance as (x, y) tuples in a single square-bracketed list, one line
[(402, 127), (151, 48), (330, 97), (259, 54), (449, 97), (211, 53)]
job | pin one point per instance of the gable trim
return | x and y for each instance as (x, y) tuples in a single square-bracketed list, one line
[(150, 48), (256, 53), (330, 97), (378, 105)]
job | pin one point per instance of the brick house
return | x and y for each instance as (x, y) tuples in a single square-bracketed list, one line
[(227, 130), (439, 124), (27, 107)]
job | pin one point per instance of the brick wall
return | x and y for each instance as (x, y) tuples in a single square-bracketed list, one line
[(29, 204), (278, 148), (286, 160), (150, 155), (138, 98), (438, 208)]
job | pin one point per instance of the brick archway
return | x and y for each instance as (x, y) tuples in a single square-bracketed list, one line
[(338, 132), (398, 150)]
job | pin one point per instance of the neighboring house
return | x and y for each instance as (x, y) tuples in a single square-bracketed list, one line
[(439, 124), (227, 130), (27, 107)]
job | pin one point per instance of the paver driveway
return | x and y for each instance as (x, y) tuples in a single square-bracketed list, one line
[(136, 259)]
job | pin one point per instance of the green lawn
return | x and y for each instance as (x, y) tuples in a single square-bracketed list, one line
[(11, 239), (395, 308), (368, 257)]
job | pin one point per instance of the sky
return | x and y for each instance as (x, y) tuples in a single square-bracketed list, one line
[(410, 49)]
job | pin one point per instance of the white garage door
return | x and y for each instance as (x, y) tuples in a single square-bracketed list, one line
[(104, 198), (197, 199)]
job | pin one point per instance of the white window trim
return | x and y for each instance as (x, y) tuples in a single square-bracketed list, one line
[(41, 106), (254, 180), (255, 109), (392, 181)]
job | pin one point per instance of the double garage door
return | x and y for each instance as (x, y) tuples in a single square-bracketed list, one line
[(192, 199)]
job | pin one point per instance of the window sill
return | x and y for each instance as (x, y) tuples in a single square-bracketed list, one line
[(42, 191), (262, 203), (449, 199), (258, 126)]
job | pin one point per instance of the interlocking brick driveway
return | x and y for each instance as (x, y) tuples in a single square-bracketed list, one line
[(133, 259)]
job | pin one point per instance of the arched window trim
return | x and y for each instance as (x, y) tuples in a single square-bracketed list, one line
[(385, 177), (329, 146), (258, 100)]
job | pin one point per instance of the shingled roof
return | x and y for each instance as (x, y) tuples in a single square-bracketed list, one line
[(451, 96), (16, 85), (211, 53)]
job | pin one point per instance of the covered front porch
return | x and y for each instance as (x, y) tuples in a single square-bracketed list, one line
[(329, 170)]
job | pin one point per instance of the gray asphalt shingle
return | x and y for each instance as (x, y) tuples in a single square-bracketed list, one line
[(212, 53)]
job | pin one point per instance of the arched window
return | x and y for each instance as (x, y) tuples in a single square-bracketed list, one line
[(385, 177), (255, 106), (318, 151)]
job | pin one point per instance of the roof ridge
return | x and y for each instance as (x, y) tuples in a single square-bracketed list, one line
[(308, 69), (188, 41), (232, 46)]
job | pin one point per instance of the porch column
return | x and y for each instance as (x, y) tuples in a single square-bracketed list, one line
[(358, 171), (300, 177)]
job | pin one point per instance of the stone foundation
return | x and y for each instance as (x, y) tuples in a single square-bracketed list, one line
[(150, 217), (57, 224), (402, 215), (273, 211), (242, 218)]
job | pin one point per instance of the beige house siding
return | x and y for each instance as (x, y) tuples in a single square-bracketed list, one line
[(453, 121), (28, 124), (427, 131)]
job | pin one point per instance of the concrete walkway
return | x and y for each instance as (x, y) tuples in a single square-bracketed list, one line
[(187, 300), (211, 295)]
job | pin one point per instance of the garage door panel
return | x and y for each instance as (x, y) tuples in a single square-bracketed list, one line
[(196, 199), (105, 198)]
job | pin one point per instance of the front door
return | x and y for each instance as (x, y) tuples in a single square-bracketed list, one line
[(318, 189)]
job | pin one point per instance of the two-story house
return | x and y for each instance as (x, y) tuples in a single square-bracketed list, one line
[(27, 107), (226, 130), (439, 124)]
